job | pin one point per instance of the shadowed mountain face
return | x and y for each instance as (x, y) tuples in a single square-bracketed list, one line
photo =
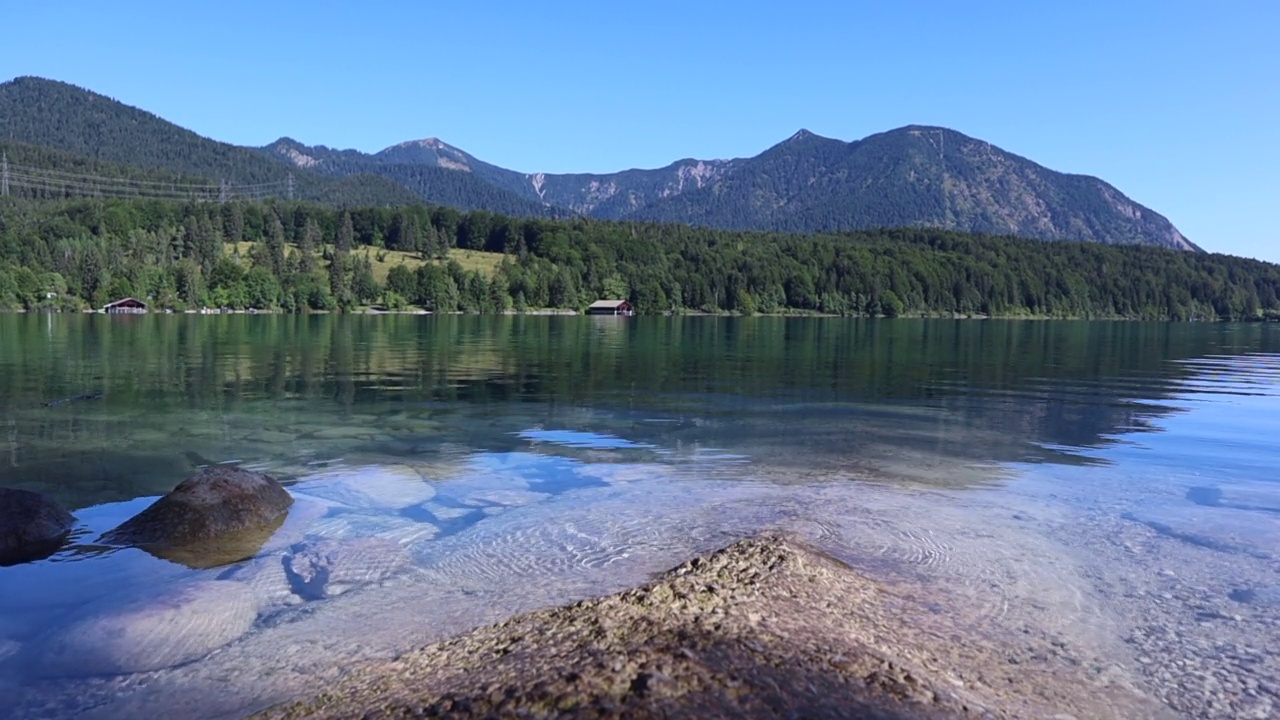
[(912, 176)]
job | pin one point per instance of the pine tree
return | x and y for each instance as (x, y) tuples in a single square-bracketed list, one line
[(346, 234), (233, 223), (338, 274), (307, 246), (338, 263), (275, 244)]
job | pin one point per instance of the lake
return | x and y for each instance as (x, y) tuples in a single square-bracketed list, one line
[(1112, 485)]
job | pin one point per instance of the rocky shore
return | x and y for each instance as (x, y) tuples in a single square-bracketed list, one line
[(768, 627)]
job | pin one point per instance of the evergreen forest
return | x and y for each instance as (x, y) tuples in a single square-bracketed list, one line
[(299, 257)]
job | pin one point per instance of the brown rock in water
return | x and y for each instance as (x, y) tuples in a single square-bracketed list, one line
[(765, 628), (220, 515), (32, 526)]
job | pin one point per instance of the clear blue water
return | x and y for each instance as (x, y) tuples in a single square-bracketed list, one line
[(1116, 476)]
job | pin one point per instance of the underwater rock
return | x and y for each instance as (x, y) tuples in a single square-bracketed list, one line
[(267, 578), (503, 497), (320, 569), (376, 487), (1219, 533), (146, 629), (74, 398), (353, 432), (221, 514), (1206, 496), (1269, 595), (303, 515), (271, 437), (32, 526), (446, 513), (349, 525)]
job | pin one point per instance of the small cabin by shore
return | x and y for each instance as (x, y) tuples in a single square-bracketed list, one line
[(125, 306), (611, 307)]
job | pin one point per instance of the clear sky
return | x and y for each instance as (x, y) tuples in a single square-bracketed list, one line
[(1176, 102)]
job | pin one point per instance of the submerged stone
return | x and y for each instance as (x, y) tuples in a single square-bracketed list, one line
[(142, 630), (302, 516), (320, 569), (267, 578), (32, 526), (350, 525), (1269, 595), (446, 513), (221, 514), (378, 487), (501, 497), (1207, 496)]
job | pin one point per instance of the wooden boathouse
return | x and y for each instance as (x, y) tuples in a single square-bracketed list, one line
[(611, 307), (125, 306)]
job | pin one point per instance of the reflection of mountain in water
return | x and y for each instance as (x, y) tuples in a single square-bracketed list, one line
[(833, 392)]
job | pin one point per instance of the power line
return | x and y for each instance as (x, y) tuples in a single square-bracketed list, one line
[(68, 188), (106, 178), (94, 187), (133, 181), (61, 183)]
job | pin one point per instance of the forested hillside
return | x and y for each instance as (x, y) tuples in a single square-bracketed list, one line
[(300, 256), (66, 118)]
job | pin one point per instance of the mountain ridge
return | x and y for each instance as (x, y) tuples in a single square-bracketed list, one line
[(916, 175)]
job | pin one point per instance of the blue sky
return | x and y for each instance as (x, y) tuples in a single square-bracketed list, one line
[(1177, 103)]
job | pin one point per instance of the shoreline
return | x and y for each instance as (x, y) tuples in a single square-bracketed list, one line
[(555, 312)]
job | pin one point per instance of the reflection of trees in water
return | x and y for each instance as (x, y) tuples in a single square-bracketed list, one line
[(1058, 383)]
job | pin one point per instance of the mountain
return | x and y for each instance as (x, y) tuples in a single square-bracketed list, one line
[(431, 174), (64, 117), (927, 176), (912, 176)]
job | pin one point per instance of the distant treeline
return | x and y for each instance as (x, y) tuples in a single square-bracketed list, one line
[(70, 255)]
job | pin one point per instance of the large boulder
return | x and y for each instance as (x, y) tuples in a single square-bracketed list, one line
[(146, 629), (220, 515), (32, 526)]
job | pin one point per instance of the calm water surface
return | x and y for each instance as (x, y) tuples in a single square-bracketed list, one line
[(588, 453)]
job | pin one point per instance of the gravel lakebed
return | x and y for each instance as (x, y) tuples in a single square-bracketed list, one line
[(649, 597)]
